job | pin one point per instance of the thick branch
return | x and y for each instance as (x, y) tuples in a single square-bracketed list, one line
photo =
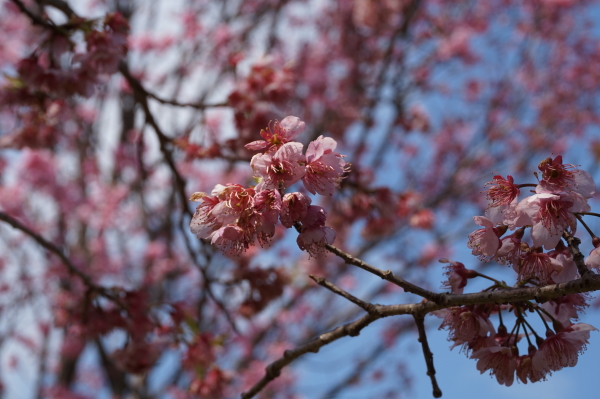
[(539, 294)]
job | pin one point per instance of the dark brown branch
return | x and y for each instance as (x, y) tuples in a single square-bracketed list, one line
[(420, 322), (141, 96), (60, 5), (386, 275), (337, 290), (35, 19), (539, 294), (573, 243)]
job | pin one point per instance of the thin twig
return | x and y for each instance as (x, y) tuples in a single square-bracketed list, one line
[(386, 275), (50, 247), (185, 104), (420, 322), (337, 290), (141, 96)]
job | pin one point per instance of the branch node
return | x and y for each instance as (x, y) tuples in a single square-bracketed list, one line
[(272, 371)]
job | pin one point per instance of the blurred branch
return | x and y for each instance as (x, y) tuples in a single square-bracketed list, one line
[(141, 96), (420, 322), (52, 248)]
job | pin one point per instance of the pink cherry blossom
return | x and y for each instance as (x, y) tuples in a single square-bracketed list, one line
[(230, 239), (550, 215), (281, 169), (324, 167), (294, 208), (502, 191), (314, 233), (539, 266), (511, 248), (559, 177), (500, 360), (593, 259), (561, 349), (526, 371), (484, 242), (266, 206), (569, 269), (466, 323), (278, 134), (457, 275), (566, 308)]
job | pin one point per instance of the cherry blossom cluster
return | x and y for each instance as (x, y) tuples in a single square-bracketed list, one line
[(106, 45), (560, 199), (234, 217)]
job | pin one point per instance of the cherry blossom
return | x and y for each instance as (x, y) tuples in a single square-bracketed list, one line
[(314, 233), (324, 167), (502, 191), (294, 208), (281, 169), (457, 275), (466, 323), (538, 265), (550, 215), (278, 134), (485, 242), (557, 177), (500, 360), (561, 349)]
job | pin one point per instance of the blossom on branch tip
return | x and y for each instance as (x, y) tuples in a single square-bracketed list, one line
[(278, 134), (293, 209), (314, 233), (457, 276)]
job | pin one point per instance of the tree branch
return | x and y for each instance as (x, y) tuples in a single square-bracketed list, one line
[(50, 247), (420, 322), (386, 275), (337, 290), (274, 369), (141, 96), (579, 259), (419, 310)]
